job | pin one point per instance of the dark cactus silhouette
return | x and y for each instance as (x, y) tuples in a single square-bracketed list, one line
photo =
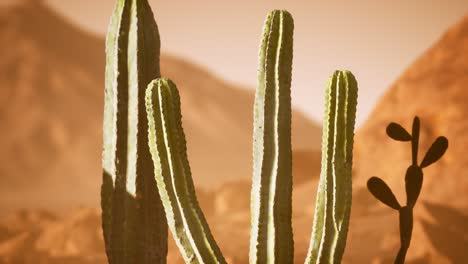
[(413, 180)]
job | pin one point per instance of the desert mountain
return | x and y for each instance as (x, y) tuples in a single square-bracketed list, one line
[(435, 88), (51, 103), (50, 112)]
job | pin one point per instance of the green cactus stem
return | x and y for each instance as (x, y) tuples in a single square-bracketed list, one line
[(334, 194), (133, 221), (271, 230), (172, 172)]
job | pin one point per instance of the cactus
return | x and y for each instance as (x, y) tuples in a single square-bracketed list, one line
[(271, 232), (413, 181), (333, 206), (173, 176), (135, 205), (133, 221)]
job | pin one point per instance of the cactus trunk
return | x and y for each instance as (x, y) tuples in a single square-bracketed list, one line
[(134, 225), (333, 205), (173, 176), (271, 232)]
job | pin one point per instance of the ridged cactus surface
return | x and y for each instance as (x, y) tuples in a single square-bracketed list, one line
[(146, 173), (173, 176), (134, 225), (271, 231), (333, 206)]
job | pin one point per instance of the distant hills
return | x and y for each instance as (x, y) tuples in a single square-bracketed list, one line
[(51, 103)]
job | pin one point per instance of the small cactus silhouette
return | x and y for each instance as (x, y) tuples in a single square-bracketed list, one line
[(413, 180)]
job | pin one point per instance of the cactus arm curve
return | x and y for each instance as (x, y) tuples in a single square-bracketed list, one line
[(173, 176)]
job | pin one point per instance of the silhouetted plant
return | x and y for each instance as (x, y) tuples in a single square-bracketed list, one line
[(413, 180)]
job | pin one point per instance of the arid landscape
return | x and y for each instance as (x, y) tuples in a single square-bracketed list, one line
[(51, 102)]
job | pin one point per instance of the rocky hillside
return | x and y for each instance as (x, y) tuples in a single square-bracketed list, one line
[(51, 102)]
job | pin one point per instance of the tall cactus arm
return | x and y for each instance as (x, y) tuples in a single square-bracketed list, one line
[(173, 176), (271, 230), (333, 205), (134, 225)]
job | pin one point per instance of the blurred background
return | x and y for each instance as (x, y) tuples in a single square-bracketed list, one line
[(410, 58)]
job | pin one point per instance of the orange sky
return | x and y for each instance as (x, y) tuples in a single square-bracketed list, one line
[(376, 39)]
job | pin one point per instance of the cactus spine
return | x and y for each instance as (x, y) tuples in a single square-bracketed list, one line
[(271, 232), (173, 176), (134, 226), (333, 205)]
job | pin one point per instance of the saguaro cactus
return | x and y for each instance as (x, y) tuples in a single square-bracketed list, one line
[(333, 205), (413, 180), (271, 233), (134, 225), (134, 202), (173, 176)]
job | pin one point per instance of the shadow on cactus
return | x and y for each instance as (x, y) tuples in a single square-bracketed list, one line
[(413, 180), (133, 221)]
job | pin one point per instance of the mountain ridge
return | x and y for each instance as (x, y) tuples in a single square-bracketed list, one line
[(51, 110)]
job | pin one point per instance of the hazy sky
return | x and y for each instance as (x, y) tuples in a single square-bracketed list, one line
[(375, 39)]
